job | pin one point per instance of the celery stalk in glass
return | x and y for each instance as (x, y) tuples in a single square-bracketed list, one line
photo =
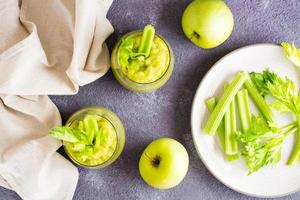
[(147, 40)]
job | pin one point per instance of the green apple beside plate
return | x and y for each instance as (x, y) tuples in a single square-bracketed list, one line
[(272, 181)]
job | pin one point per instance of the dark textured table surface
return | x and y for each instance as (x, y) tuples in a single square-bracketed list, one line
[(166, 112)]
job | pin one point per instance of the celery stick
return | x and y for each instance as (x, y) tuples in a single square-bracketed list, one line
[(244, 109), (147, 40), (211, 103), (232, 116), (231, 147), (223, 105), (259, 100), (227, 131), (294, 157), (231, 157), (233, 126)]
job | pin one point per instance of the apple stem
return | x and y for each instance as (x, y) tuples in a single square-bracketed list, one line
[(155, 162), (195, 34)]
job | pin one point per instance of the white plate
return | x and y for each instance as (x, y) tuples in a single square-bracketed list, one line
[(274, 181)]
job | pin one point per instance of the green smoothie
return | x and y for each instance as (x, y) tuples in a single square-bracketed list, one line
[(102, 145), (145, 57), (90, 140)]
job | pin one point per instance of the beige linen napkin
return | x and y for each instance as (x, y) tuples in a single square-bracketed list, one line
[(46, 47)]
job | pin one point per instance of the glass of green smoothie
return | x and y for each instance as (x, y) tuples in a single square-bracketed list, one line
[(142, 60), (93, 137)]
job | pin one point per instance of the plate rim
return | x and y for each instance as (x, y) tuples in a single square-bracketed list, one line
[(193, 131)]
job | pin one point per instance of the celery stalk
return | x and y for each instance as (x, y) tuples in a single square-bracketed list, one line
[(259, 100), (232, 116), (294, 157), (211, 104), (288, 127), (244, 109), (147, 40), (223, 105), (231, 147)]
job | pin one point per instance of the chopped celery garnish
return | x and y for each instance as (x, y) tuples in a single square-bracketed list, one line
[(67, 134), (147, 40), (91, 127), (211, 104), (259, 100), (244, 109), (223, 105)]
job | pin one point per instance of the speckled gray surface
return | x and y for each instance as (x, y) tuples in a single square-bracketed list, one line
[(166, 112)]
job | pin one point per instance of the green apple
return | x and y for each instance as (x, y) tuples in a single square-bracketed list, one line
[(164, 163), (207, 23)]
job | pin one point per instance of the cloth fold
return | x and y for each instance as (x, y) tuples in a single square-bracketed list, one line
[(46, 47)]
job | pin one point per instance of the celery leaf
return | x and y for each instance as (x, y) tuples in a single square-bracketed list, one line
[(292, 53)]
